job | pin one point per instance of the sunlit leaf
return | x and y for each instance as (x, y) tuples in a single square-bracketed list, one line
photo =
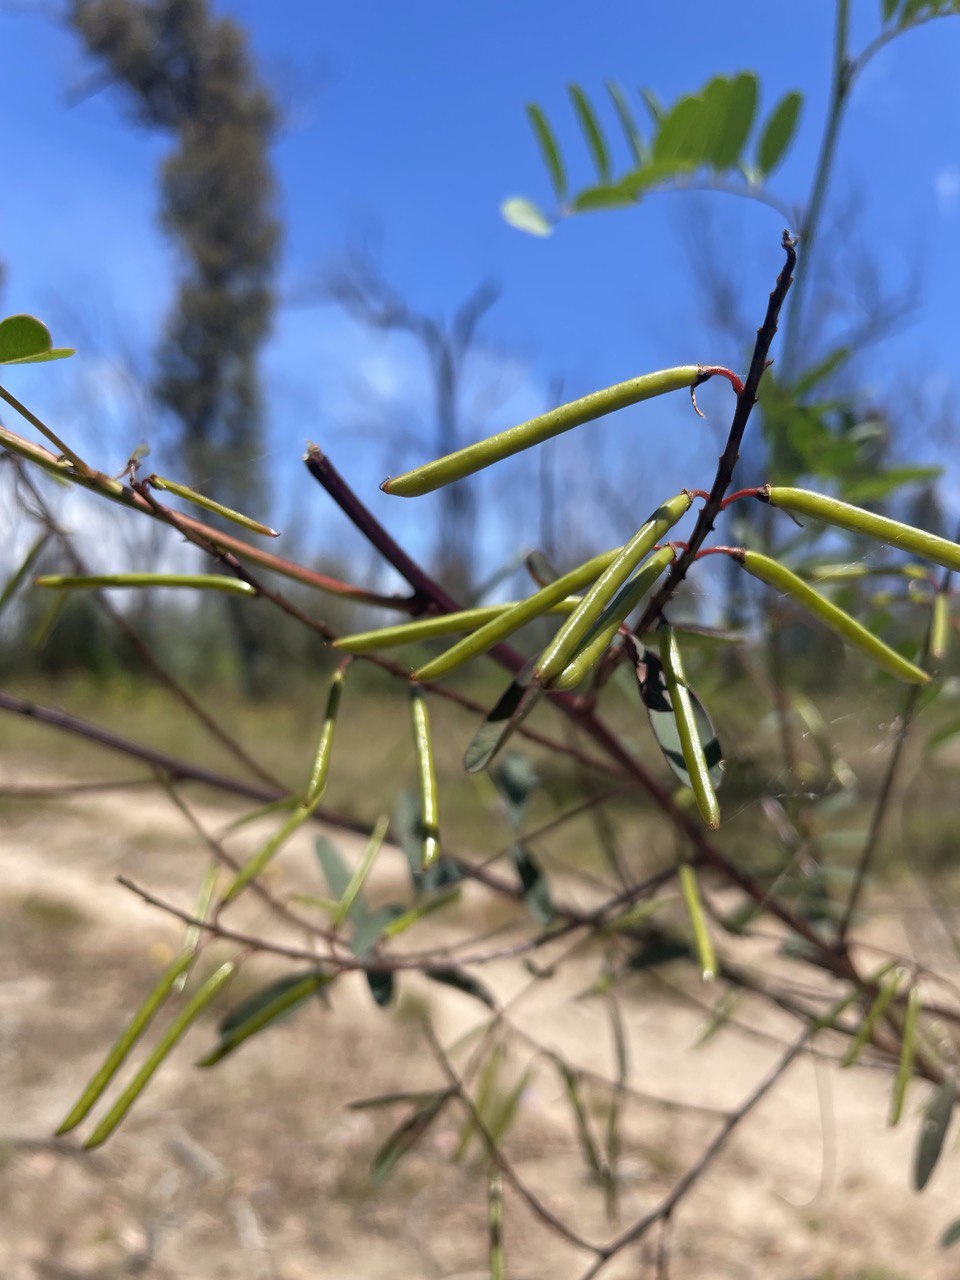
[(526, 216), (777, 133), (605, 196), (549, 149), (627, 121), (592, 131), (26, 340)]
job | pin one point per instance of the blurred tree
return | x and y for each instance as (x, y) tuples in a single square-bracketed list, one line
[(191, 75), (362, 291)]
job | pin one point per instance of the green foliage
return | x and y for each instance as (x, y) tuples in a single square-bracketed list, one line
[(702, 136), (27, 340)]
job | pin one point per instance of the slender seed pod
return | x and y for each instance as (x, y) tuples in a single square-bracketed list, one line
[(879, 1007), (194, 1007), (208, 504), (254, 867), (447, 624), (134, 1030), (191, 942), (691, 746), (464, 462), (429, 802), (940, 626), (832, 511), (775, 575), (503, 626), (571, 636), (321, 763), (364, 867), (698, 921), (623, 604), (197, 581), (908, 1052)]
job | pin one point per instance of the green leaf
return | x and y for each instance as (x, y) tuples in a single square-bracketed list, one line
[(549, 149), (605, 196), (526, 216), (890, 8), (406, 1136), (514, 705), (951, 1235), (873, 488), (658, 112), (656, 698), (933, 1132), (536, 891), (592, 131), (16, 579), (731, 105), (264, 1008), (778, 132), (26, 340), (627, 121), (460, 980)]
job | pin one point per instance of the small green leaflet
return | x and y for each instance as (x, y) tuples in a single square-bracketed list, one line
[(549, 149), (406, 1136), (264, 1008), (778, 132), (592, 132), (653, 691), (515, 705), (26, 340)]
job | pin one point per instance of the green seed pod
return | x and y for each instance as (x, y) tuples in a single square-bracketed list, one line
[(500, 628), (447, 624), (623, 604), (940, 626), (194, 1007), (268, 851), (572, 635), (546, 425), (698, 921), (832, 511), (208, 504), (134, 1030), (197, 581), (690, 744), (429, 801), (775, 575), (321, 763), (908, 1052)]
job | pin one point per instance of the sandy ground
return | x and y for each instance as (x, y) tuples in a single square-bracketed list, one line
[(258, 1170)]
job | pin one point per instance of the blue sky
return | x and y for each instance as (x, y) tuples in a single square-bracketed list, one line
[(405, 129)]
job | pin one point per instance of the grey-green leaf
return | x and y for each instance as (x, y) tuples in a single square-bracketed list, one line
[(778, 132), (460, 980), (549, 149), (933, 1132), (515, 705), (536, 890), (264, 1008), (653, 691), (951, 1235), (406, 1136)]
